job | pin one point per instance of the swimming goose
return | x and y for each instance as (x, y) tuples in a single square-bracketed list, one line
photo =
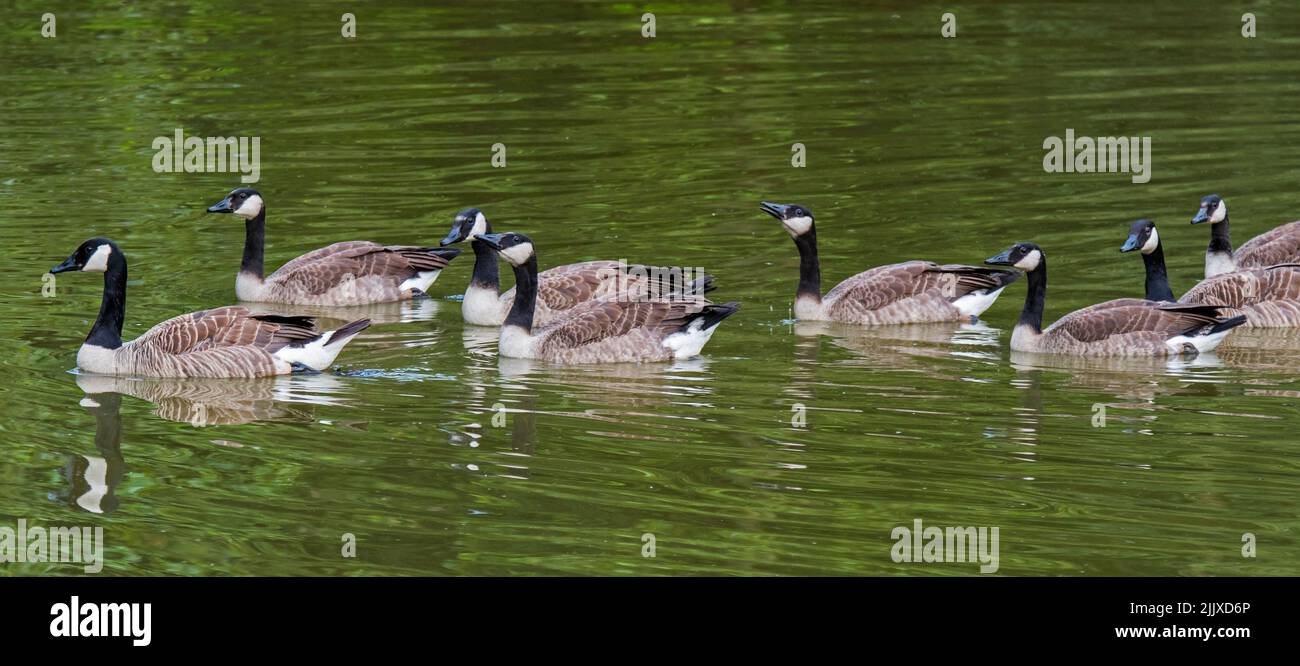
[(347, 273), (908, 293), (559, 288), (223, 342), (1269, 297), (1122, 327), (1278, 246), (609, 330)]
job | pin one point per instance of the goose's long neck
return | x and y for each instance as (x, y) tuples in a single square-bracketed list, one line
[(254, 245), (1157, 279), (486, 273), (810, 271), (1032, 315), (107, 331), (521, 312), (1219, 241)]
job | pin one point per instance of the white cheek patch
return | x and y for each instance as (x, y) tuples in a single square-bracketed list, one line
[(251, 208), (1030, 261), (1152, 242), (99, 260), (798, 226), (480, 227), (1220, 212), (518, 254)]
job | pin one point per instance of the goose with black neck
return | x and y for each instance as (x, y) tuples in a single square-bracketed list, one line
[(911, 292), (223, 342), (342, 274), (558, 289), (1280, 245), (1121, 327), (621, 329), (1268, 297)]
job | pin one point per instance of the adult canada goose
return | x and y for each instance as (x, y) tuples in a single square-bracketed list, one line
[(1279, 246), (609, 330), (224, 342), (908, 293), (1269, 297), (1122, 327), (559, 288), (347, 273)]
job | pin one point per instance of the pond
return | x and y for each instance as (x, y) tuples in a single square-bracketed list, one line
[(787, 447)]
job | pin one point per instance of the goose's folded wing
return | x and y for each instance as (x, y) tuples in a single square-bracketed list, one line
[(563, 287), (232, 326), (880, 286), (1245, 287), (1276, 246), (322, 270), (344, 249), (594, 321), (229, 362), (1131, 315)]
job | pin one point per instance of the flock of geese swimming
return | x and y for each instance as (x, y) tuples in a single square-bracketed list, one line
[(608, 311)]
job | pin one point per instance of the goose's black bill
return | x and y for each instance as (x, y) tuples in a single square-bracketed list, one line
[(1202, 215), (453, 236), (1003, 259), (774, 209), (69, 264), (222, 206), (1130, 244), (492, 240)]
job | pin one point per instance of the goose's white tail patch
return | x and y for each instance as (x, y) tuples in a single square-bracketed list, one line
[(422, 281), (318, 354), (1202, 343), (975, 303), (690, 342)]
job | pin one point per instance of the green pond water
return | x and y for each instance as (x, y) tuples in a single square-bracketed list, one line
[(654, 150)]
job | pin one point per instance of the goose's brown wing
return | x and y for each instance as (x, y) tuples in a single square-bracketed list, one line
[(1276, 246), (593, 321), (232, 326), (563, 287), (883, 285), (1247, 287), (322, 270), (1131, 315)]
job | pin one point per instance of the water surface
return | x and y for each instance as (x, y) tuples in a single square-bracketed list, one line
[(654, 150)]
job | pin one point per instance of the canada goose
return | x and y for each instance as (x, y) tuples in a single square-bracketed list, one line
[(1122, 327), (908, 293), (559, 288), (1279, 246), (1269, 297), (609, 330), (223, 342), (347, 273)]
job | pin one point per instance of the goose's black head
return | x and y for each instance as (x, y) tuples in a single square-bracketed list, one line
[(1025, 256), (796, 219), (466, 226), (514, 248), (245, 202), (1142, 236), (92, 257), (1213, 210)]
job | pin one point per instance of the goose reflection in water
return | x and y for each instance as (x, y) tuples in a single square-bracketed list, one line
[(92, 479), (395, 312), (903, 347)]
